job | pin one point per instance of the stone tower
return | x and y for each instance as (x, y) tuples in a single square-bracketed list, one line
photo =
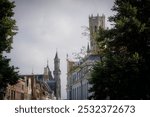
[(57, 73), (95, 22), (46, 73)]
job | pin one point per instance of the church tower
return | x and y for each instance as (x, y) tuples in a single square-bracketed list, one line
[(46, 70), (47, 73), (57, 73), (95, 22)]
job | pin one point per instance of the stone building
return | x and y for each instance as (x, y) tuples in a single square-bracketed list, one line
[(17, 91), (95, 23), (79, 72), (46, 85), (38, 86)]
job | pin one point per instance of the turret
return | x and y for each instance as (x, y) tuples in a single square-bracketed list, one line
[(57, 73), (47, 73)]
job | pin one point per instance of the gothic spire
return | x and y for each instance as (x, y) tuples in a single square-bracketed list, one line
[(32, 71), (47, 62), (56, 55)]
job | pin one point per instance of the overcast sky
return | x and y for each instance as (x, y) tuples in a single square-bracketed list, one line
[(49, 25)]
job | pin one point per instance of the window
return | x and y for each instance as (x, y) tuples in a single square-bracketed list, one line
[(14, 95), (22, 96), (11, 95), (22, 87), (9, 92), (95, 28), (27, 82), (75, 94)]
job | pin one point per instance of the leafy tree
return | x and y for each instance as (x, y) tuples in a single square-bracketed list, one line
[(8, 74), (124, 72)]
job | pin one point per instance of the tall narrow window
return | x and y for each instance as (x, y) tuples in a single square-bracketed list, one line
[(11, 95), (22, 96), (14, 95), (22, 87), (95, 28)]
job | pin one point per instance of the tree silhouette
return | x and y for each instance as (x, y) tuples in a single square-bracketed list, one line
[(124, 71), (8, 74)]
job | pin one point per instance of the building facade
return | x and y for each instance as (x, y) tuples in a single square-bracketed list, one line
[(17, 91), (38, 86), (79, 72)]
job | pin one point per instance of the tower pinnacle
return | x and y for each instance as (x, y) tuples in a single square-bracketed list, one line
[(47, 62), (57, 73), (56, 55)]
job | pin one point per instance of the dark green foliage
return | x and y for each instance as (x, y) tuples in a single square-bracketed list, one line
[(8, 74), (124, 72)]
